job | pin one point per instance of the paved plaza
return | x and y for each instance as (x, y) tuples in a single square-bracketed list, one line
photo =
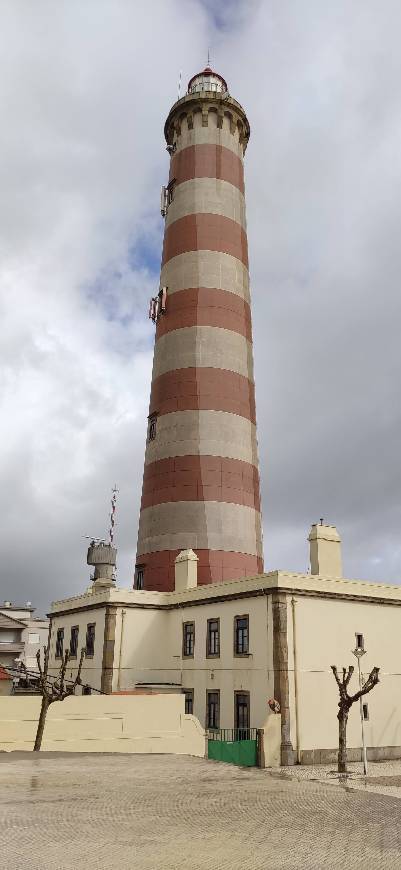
[(78, 812), (384, 777)]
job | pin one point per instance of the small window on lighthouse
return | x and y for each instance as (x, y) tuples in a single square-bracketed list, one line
[(152, 426), (170, 191), (139, 577)]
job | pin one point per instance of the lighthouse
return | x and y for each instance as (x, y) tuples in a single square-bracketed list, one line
[(201, 479)]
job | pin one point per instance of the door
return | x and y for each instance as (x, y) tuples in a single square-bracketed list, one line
[(242, 715)]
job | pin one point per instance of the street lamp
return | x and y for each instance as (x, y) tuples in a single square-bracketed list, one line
[(358, 652)]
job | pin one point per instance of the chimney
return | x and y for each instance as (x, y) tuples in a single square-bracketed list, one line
[(325, 550), (186, 571)]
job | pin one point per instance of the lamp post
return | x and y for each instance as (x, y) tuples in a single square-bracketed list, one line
[(358, 652)]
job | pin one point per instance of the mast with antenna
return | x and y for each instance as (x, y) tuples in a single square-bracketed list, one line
[(113, 510)]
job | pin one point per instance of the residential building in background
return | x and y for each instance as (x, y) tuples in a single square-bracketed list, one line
[(21, 635)]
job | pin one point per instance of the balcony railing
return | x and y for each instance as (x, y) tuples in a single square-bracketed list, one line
[(11, 646)]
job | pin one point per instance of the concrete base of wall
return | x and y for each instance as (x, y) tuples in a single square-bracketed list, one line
[(330, 756)]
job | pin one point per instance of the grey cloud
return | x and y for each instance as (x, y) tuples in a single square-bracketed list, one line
[(86, 92)]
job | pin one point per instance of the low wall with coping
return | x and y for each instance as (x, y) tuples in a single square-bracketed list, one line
[(104, 723), (270, 749)]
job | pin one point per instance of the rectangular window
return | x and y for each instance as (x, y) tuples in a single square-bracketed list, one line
[(360, 644), (213, 638), (139, 577), (188, 639), (152, 426), (90, 639), (212, 710), (31, 663), (189, 701), (241, 635), (33, 638), (242, 714), (365, 712), (59, 643), (74, 641)]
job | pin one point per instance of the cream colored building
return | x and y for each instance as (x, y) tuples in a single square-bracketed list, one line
[(233, 645), (21, 634)]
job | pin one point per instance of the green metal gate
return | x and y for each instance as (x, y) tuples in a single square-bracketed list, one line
[(234, 745)]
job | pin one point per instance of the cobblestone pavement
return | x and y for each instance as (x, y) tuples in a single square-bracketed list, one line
[(384, 777), (69, 812)]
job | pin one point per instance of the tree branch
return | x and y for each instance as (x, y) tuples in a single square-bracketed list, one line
[(78, 677), (371, 682), (335, 672), (46, 660), (39, 664), (42, 676), (349, 675), (63, 670)]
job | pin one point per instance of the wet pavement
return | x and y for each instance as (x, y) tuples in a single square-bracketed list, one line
[(384, 777), (69, 812)]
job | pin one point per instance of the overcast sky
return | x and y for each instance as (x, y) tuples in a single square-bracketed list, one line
[(84, 92)]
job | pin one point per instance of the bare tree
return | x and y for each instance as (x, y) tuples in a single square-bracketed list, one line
[(345, 703), (56, 690)]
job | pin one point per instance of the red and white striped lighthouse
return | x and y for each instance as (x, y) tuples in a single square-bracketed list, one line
[(201, 481)]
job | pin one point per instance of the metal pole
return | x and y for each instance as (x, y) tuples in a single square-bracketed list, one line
[(365, 762)]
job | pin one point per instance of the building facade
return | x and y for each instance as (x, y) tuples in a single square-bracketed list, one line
[(233, 645), (201, 480), (21, 635)]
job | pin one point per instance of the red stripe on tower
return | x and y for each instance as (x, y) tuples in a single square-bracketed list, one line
[(207, 161), (201, 480)]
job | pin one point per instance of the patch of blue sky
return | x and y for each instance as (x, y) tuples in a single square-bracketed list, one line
[(122, 289), (227, 15), (145, 254)]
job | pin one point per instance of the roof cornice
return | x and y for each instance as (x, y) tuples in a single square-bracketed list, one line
[(262, 584)]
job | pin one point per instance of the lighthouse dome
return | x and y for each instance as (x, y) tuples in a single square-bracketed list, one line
[(207, 80)]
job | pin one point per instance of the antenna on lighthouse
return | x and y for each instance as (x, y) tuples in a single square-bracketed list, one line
[(113, 510), (179, 84)]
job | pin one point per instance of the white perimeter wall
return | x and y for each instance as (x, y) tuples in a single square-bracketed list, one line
[(143, 723)]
